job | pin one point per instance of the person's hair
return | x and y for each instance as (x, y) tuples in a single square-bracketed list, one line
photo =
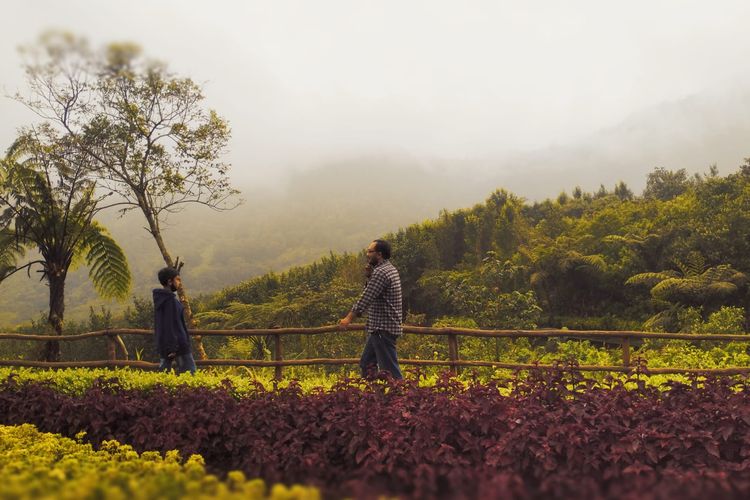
[(383, 247), (166, 274)]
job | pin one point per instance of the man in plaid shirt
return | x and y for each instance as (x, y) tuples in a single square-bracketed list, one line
[(381, 300)]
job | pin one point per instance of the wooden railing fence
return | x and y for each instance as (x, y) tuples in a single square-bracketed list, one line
[(624, 338)]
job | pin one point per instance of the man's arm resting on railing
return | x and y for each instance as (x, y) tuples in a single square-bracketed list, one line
[(346, 320)]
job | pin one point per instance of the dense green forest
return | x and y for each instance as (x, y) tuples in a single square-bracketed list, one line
[(609, 260)]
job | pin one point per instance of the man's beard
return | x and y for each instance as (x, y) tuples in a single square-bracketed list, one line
[(373, 261)]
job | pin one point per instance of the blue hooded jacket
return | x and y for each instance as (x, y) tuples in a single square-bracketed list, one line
[(169, 324)]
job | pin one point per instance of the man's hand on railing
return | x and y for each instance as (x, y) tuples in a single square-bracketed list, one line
[(346, 321)]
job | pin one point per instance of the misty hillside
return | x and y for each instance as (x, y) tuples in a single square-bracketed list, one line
[(343, 205), (339, 207)]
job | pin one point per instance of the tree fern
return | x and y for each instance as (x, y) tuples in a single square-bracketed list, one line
[(693, 285), (108, 266), (49, 201)]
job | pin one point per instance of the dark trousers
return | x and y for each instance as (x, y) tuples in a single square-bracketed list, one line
[(183, 363), (380, 351)]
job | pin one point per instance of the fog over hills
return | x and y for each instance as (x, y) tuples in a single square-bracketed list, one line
[(693, 133), (341, 205)]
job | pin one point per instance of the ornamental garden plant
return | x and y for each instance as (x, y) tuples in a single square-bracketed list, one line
[(552, 434)]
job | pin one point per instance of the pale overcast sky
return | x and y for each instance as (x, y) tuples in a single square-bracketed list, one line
[(302, 82)]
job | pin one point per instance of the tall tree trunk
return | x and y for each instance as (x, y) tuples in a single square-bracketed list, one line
[(155, 231), (191, 322), (56, 281)]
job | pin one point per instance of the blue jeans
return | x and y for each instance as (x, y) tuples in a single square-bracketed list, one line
[(183, 363), (380, 351)]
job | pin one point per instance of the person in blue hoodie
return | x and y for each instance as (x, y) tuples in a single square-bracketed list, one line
[(172, 341)]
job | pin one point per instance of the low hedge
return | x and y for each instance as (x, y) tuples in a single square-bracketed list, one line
[(36, 465)]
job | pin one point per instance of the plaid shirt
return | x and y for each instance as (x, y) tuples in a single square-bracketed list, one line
[(382, 300)]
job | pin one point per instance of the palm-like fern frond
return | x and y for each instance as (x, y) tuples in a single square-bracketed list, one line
[(10, 252), (650, 279), (245, 315), (278, 313), (570, 260), (108, 266), (671, 287), (631, 239), (694, 283), (724, 272), (663, 321), (693, 265), (579, 261), (617, 238), (212, 319)]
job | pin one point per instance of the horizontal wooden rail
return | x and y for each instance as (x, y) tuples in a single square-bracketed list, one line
[(217, 333), (113, 340), (354, 361), (418, 330)]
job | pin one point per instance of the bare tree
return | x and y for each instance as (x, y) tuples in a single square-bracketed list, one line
[(145, 130)]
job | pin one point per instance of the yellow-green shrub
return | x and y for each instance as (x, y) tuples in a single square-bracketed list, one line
[(75, 381), (36, 465)]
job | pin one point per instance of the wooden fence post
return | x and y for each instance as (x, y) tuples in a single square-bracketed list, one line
[(453, 352), (278, 356), (111, 347), (626, 351)]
